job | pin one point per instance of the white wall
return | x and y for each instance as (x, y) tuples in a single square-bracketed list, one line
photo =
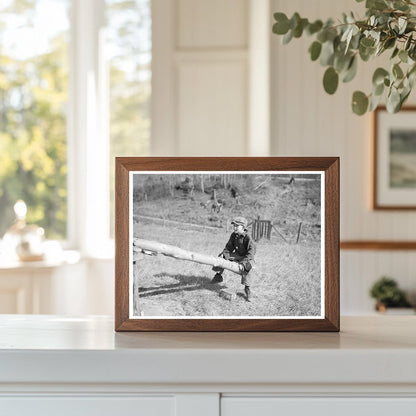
[(308, 122), (203, 81)]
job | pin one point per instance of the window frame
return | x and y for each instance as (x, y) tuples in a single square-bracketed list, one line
[(88, 133)]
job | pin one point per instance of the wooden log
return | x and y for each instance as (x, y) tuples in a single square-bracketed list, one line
[(180, 254)]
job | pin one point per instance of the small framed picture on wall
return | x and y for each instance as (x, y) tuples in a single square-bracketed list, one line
[(394, 178)]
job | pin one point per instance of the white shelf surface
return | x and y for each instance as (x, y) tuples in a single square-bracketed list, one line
[(53, 349)]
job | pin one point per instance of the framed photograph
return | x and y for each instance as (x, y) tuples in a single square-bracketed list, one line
[(394, 180), (227, 244)]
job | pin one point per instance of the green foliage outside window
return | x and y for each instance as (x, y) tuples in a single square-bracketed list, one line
[(34, 103), (33, 97)]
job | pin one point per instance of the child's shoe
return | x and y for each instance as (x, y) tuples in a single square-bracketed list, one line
[(217, 278)]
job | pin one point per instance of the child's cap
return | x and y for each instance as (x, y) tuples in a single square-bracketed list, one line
[(240, 221)]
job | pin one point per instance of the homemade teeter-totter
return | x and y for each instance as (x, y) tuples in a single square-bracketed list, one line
[(153, 247)]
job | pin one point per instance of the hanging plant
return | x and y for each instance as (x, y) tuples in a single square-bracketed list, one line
[(388, 27)]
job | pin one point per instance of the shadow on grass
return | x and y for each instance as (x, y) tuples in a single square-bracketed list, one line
[(185, 284)]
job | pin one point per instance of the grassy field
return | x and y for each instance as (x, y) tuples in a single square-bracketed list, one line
[(287, 283)]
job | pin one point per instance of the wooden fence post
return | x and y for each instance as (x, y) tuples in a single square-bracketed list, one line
[(300, 227)]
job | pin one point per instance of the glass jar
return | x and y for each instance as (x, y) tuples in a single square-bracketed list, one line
[(25, 241)]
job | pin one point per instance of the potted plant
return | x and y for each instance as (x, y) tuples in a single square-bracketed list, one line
[(387, 294)]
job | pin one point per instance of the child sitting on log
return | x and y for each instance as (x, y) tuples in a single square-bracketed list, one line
[(241, 249)]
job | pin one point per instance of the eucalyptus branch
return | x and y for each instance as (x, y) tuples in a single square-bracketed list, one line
[(388, 25)]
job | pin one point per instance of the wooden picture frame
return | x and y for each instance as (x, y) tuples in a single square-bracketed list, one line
[(300, 294), (394, 157)]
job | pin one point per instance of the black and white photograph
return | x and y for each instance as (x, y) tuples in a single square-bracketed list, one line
[(226, 244)]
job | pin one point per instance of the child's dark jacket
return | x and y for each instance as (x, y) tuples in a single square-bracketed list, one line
[(240, 246)]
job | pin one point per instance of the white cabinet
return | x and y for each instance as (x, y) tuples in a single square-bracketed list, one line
[(88, 406), (271, 406), (26, 290), (64, 286), (37, 287)]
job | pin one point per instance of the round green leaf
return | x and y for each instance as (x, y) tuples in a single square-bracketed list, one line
[(327, 54), (366, 53), (374, 101), (288, 37), (400, 5), (314, 27), (397, 71), (332, 33), (389, 43), (355, 41), (294, 20), (298, 30), (351, 71), (359, 103), (330, 80), (342, 62), (322, 36), (376, 4), (315, 50), (281, 26), (395, 52), (393, 101), (379, 75), (403, 56), (378, 90), (367, 42)]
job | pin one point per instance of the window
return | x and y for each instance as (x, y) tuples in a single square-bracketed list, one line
[(75, 86), (33, 98)]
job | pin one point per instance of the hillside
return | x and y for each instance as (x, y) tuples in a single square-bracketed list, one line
[(269, 197)]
